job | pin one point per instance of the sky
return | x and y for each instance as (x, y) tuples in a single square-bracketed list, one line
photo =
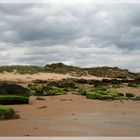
[(85, 35)]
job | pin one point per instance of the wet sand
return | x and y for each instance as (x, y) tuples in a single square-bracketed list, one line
[(73, 115), (126, 89)]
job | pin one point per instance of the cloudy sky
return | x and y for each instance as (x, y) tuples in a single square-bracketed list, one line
[(85, 35)]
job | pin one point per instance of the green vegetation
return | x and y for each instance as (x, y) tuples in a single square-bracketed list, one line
[(112, 72), (137, 98), (90, 88), (105, 89), (54, 91), (114, 83), (121, 94), (103, 95), (36, 89), (101, 88), (13, 94), (93, 95), (67, 84), (83, 88), (7, 113), (52, 87), (21, 69), (82, 91), (62, 68), (13, 99), (100, 92), (42, 90), (136, 85)]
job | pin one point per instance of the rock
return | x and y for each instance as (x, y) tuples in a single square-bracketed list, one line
[(41, 107), (40, 98), (13, 89)]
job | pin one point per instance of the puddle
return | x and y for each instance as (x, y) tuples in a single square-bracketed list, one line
[(127, 123)]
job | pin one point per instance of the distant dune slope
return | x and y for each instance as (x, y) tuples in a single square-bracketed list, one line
[(110, 72), (28, 78)]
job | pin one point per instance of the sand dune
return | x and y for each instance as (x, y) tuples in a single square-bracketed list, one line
[(27, 78)]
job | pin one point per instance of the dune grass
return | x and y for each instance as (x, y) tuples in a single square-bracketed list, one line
[(113, 72), (136, 85)]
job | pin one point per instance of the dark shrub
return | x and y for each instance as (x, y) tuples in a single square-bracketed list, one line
[(82, 81), (134, 83), (120, 94), (13, 89), (98, 83), (65, 83), (68, 83), (38, 81), (101, 88), (131, 84), (40, 98), (91, 82), (115, 86), (129, 95), (13, 99), (82, 91), (115, 81), (137, 97)]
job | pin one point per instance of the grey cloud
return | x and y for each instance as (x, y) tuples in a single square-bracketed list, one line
[(82, 35)]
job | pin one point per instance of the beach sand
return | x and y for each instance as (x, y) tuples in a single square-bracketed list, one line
[(28, 78), (71, 115), (74, 115)]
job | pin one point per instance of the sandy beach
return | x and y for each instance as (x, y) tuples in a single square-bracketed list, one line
[(73, 115)]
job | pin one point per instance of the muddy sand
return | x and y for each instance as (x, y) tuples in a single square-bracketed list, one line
[(73, 115)]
